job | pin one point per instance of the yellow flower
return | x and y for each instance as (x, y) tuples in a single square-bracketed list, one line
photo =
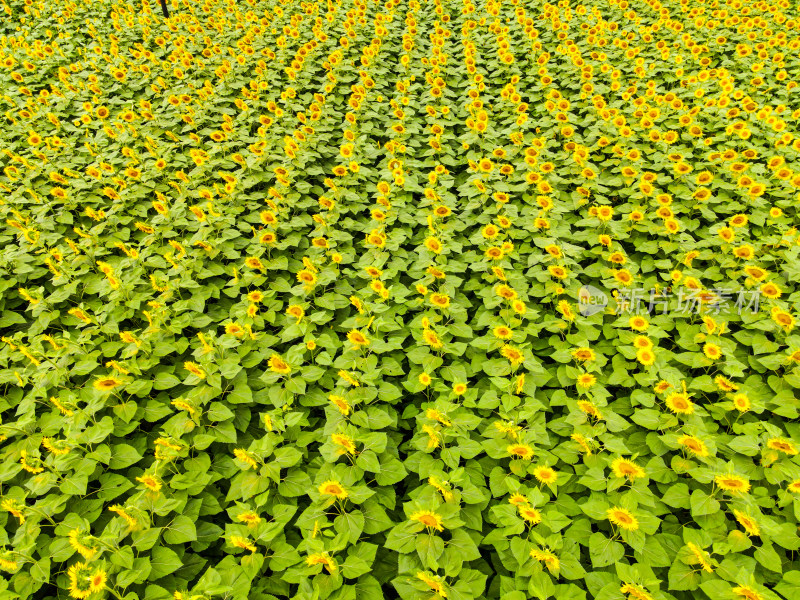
[(634, 592), (278, 365), (700, 557), (646, 356), (747, 522), (324, 559), (430, 519), (694, 445), (583, 354), (97, 581), (545, 474), (133, 524), (746, 592), (234, 329), (529, 514), (150, 482), (345, 443), (514, 355), (340, 403), (249, 518), (782, 445), (679, 403), (243, 543), (296, 312), (194, 369), (333, 488), (244, 456), (735, 484), (622, 518), (434, 582), (548, 558), (106, 384), (76, 540), (357, 338), (523, 451), (80, 581), (622, 467), (15, 508)]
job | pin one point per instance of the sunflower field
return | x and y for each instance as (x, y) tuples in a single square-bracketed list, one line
[(419, 299)]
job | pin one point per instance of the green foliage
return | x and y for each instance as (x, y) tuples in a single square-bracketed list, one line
[(293, 300)]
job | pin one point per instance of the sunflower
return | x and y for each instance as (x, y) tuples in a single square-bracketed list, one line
[(434, 245), (502, 332), (586, 380), (80, 585), (440, 300), (523, 451), (106, 384), (622, 518), (346, 443), (646, 356), (278, 365), (430, 519), (782, 445), (771, 291), (725, 384), (529, 514), (333, 488), (623, 467), (514, 355), (694, 445), (150, 482), (424, 379), (623, 276), (243, 543), (342, 405), (635, 592), (679, 403), (249, 518), (712, 351), (583, 354), (747, 522), (741, 402), (590, 409), (432, 339), (700, 557), (545, 475), (784, 319), (234, 329), (505, 292), (638, 323), (322, 558), (357, 338), (662, 386), (97, 580), (517, 499), (746, 592), (434, 582), (735, 484), (307, 277), (194, 369)]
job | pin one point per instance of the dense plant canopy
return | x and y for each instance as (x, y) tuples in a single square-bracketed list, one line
[(368, 299)]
